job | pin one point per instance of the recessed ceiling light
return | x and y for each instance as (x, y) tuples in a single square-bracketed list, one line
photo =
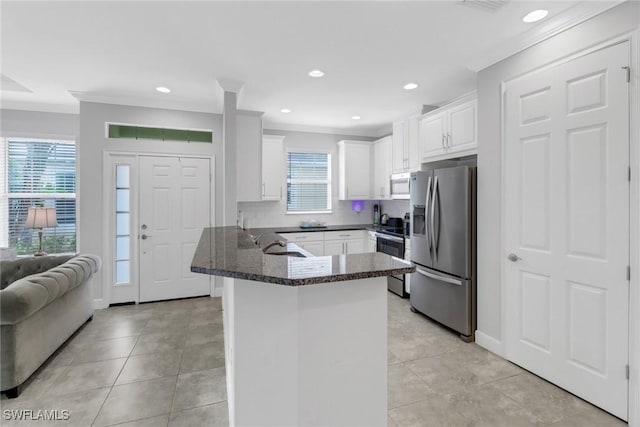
[(316, 73), (355, 117), (285, 110), (535, 16), (410, 86), (163, 89)]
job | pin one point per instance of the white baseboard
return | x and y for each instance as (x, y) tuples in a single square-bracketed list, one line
[(99, 304), (490, 343)]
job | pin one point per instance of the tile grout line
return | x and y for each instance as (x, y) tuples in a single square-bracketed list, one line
[(114, 382)]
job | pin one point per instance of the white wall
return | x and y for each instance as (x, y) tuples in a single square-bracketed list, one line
[(36, 124), (92, 143), (617, 21), (273, 214)]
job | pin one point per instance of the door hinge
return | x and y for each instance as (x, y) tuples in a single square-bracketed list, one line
[(626, 67), (629, 174), (628, 272), (627, 371)]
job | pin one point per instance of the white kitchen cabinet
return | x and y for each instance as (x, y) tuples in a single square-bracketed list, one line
[(406, 145), (450, 131), (400, 150), (344, 242), (315, 247), (354, 246), (432, 135), (333, 247), (272, 167), (312, 241), (382, 168), (354, 170), (372, 242), (248, 156)]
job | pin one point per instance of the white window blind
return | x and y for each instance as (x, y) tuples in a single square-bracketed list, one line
[(308, 182), (41, 173)]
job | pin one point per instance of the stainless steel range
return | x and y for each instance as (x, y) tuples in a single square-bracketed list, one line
[(390, 240)]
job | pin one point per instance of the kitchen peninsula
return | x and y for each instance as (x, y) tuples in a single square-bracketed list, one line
[(305, 336)]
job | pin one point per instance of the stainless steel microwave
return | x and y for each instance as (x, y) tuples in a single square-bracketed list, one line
[(400, 186)]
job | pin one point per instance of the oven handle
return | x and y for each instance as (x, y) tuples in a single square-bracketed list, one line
[(438, 277), (387, 237)]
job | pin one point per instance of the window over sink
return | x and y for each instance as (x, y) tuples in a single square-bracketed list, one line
[(308, 182)]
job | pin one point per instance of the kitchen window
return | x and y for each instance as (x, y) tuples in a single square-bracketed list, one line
[(37, 173), (308, 182)]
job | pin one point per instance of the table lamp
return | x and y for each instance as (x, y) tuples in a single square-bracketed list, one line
[(41, 218)]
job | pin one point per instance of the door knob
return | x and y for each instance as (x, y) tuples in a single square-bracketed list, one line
[(143, 226), (144, 237), (513, 257)]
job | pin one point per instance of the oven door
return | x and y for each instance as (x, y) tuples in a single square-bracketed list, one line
[(390, 245)]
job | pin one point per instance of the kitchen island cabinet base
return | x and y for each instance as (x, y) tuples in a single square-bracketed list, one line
[(306, 355)]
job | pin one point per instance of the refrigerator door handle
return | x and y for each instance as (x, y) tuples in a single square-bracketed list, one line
[(426, 213), (434, 196), (438, 277)]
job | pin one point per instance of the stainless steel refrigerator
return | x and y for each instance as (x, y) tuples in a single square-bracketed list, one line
[(443, 229)]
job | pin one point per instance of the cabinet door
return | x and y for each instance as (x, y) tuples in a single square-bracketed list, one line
[(272, 166), (382, 152), (355, 170), (462, 127), (334, 247), (413, 144), (432, 131), (355, 246), (399, 155), (371, 244), (316, 247)]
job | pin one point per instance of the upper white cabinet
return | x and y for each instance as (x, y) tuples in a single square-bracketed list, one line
[(272, 167), (406, 153), (354, 170), (450, 131), (248, 156), (382, 149)]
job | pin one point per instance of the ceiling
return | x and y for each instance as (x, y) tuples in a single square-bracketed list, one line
[(54, 53)]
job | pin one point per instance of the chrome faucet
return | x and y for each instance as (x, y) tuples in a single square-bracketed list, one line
[(256, 239), (281, 243)]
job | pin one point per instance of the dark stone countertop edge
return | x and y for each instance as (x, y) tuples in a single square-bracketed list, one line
[(302, 281)]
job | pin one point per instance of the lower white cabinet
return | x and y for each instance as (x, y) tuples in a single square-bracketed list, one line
[(316, 247), (372, 242), (329, 243)]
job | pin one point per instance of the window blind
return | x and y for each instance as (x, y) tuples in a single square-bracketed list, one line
[(41, 173), (308, 182)]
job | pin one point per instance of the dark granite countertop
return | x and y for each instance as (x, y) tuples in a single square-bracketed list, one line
[(231, 252), (284, 230)]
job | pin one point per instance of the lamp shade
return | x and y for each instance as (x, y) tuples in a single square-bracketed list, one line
[(41, 218)]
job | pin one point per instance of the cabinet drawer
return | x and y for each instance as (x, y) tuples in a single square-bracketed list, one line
[(342, 235), (304, 236)]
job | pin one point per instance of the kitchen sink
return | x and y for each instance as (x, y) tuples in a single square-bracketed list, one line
[(291, 253)]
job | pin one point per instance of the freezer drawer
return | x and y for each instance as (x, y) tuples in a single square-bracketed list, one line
[(444, 298)]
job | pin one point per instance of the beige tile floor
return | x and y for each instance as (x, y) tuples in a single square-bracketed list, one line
[(162, 364)]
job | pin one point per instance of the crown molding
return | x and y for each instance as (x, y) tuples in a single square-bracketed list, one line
[(364, 131), (566, 19)]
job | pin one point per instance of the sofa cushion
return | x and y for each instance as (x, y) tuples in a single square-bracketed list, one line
[(10, 271), (29, 294)]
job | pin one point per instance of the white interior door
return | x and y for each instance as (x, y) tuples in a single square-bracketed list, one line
[(174, 208), (567, 220)]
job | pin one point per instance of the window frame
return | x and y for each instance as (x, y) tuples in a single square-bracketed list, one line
[(327, 182), (6, 195)]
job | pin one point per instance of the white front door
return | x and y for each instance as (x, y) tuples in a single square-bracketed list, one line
[(174, 208), (567, 225)]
